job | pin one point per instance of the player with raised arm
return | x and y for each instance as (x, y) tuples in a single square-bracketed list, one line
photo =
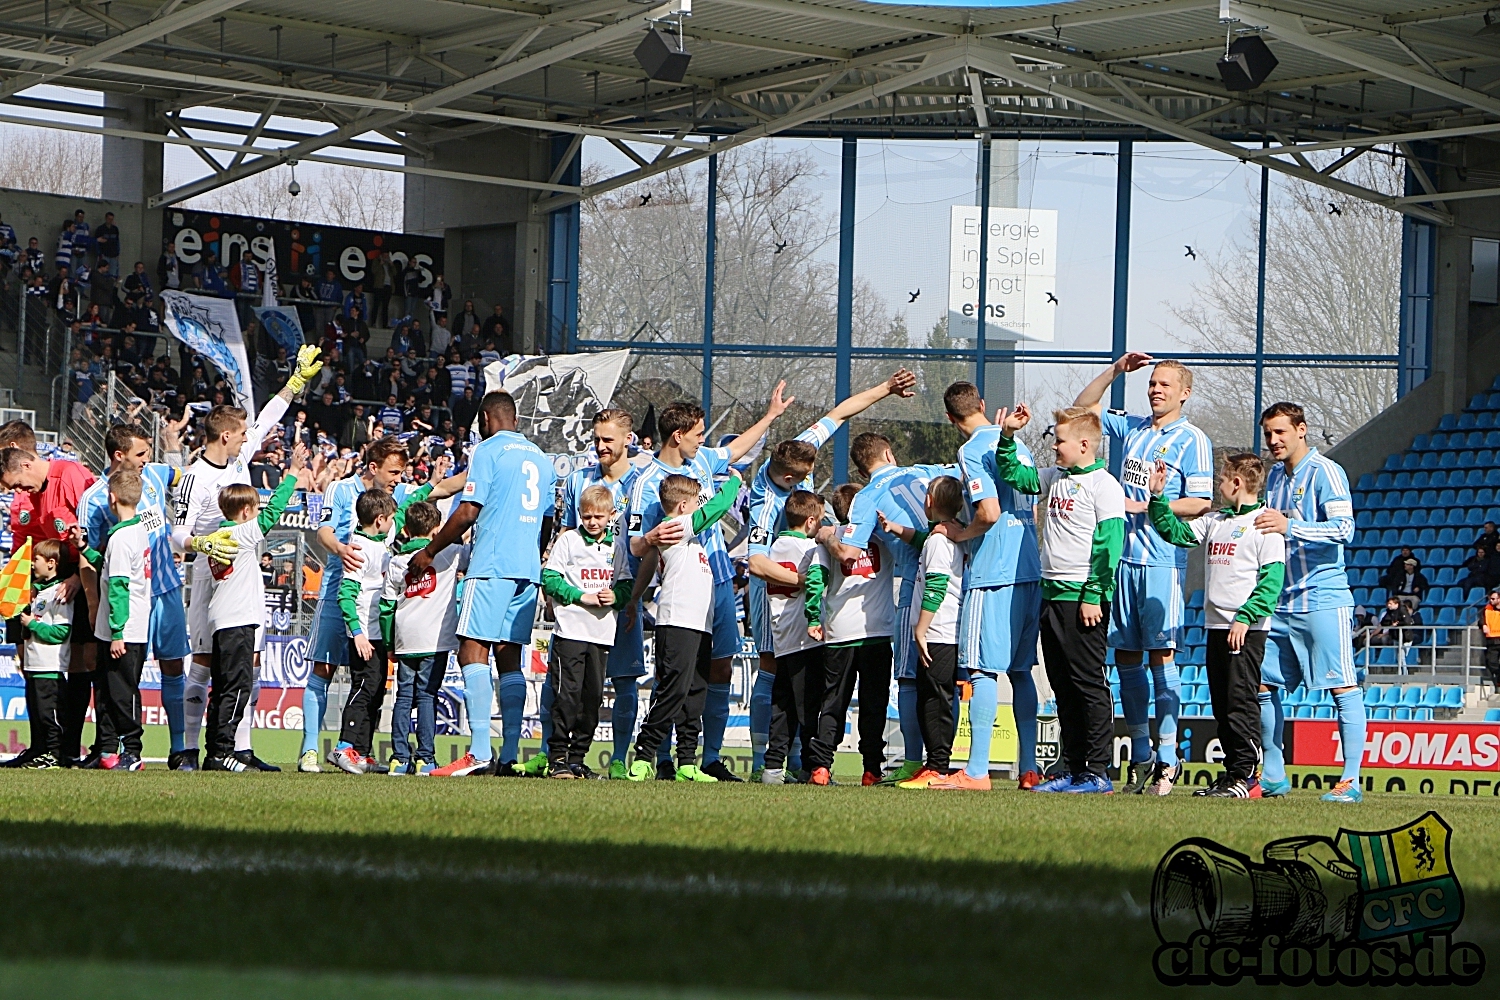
[(681, 426), (789, 468), (381, 467), (225, 460), (1312, 632), (502, 501), (1148, 608)]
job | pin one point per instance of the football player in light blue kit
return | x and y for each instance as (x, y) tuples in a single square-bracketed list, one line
[(790, 468), (382, 466), (892, 503), (627, 657), (1311, 640), (681, 427), (1002, 600), (1147, 612), (129, 447), (505, 499)]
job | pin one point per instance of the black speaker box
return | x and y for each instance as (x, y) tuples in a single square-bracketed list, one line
[(1248, 64), (660, 58)]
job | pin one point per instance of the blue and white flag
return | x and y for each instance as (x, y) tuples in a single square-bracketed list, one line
[(209, 326), (284, 326)]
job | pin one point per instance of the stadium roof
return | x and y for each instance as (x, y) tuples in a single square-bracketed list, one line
[(1352, 74)]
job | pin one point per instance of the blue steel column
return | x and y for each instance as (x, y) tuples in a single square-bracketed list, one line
[(1260, 311), (562, 262), (710, 241), (845, 345), (984, 262), (1124, 165)]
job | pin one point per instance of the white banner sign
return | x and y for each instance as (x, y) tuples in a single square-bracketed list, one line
[(209, 326), (1022, 274)]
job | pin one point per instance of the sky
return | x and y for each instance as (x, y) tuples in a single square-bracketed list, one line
[(1182, 196)]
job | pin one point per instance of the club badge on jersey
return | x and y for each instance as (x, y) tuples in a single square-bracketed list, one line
[(759, 536)]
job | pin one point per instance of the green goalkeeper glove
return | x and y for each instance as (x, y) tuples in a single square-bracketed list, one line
[(308, 366), (219, 546)]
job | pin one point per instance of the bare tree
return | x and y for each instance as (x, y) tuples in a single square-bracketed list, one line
[(1333, 279), (51, 161), (331, 196)]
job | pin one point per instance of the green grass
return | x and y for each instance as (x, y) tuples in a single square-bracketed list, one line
[(312, 879)]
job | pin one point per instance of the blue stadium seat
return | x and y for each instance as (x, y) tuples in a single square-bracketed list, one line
[(1484, 459), (1195, 637), (1195, 599), (1361, 558), (1366, 481), (1465, 421), (1189, 711), (1421, 715), (1362, 596), (1448, 460), (1403, 480), (1491, 439), (1364, 519), (1323, 712), (1478, 401), (1427, 536), (1373, 694), (1402, 714), (1474, 478), (1429, 460), (1390, 537), (1465, 497), (1492, 715), (1465, 461), (1401, 517), (1411, 695), (1484, 496), (1448, 423), (1445, 536), (1475, 517), (1411, 461), (1428, 499), (1381, 713), (1484, 420), (1384, 481), (1422, 442), (1447, 497), (1447, 616), (1453, 697), (1420, 517), (1445, 577), (1392, 694), (1392, 463), (1433, 698), (1473, 597)]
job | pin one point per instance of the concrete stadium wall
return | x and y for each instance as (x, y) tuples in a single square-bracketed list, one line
[(32, 213)]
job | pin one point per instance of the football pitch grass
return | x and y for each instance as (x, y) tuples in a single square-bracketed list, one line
[(269, 886)]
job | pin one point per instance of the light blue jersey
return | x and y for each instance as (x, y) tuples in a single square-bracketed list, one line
[(768, 499), (645, 503), (580, 480), (157, 483), (1315, 497), (1190, 473), (1007, 553), (899, 493), (508, 476), (338, 513)]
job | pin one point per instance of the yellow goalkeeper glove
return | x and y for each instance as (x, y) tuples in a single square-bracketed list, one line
[(308, 365), (219, 546)]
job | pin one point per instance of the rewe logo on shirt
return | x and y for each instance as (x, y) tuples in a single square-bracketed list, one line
[(866, 565), (1221, 548), (1060, 507), (596, 574), (782, 589), (424, 584)]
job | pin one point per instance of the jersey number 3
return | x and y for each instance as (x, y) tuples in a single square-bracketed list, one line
[(532, 497)]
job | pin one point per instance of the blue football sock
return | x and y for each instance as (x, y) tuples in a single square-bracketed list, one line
[(794, 755), (981, 722), (760, 717), (343, 745), (715, 719), (1168, 684), (314, 704), (1351, 710), (911, 725), (664, 752), (1273, 767), (512, 707), (1023, 706), (548, 695), (171, 703), (1134, 694), (479, 699), (622, 717)]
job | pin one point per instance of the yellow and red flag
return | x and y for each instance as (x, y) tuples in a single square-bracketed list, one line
[(15, 582)]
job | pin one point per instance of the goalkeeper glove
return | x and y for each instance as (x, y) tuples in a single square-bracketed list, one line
[(219, 546), (308, 366)]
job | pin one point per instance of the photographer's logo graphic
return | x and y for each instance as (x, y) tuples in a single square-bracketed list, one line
[(1376, 908)]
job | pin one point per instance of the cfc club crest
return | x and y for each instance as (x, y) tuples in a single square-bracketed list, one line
[(1360, 909)]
